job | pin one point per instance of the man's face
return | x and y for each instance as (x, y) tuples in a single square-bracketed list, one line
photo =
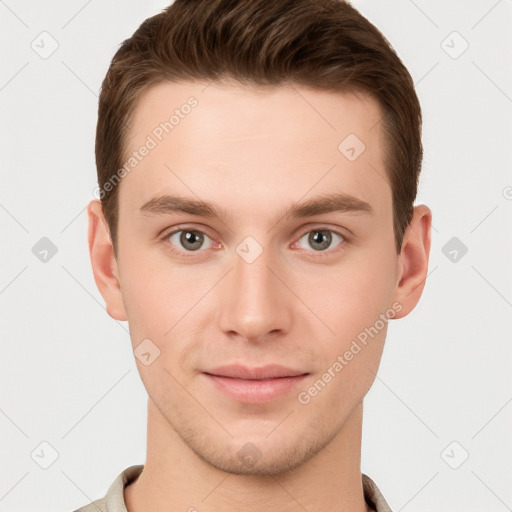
[(256, 287)]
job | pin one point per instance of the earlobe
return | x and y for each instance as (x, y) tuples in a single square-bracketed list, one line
[(413, 260), (104, 264)]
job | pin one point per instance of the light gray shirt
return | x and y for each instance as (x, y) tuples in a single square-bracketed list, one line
[(114, 499)]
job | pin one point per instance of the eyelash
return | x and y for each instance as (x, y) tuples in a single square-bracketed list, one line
[(191, 254)]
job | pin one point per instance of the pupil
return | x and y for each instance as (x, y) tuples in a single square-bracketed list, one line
[(322, 238), (189, 238)]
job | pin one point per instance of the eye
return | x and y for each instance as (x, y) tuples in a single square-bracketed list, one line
[(187, 240), (320, 239)]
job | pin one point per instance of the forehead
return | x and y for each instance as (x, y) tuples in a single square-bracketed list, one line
[(289, 110), (240, 144)]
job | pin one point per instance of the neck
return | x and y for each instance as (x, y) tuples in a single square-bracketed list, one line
[(175, 478)]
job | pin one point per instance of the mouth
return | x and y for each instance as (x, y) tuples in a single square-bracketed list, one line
[(255, 385)]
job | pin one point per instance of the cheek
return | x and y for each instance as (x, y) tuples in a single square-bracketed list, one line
[(151, 297), (351, 296), (156, 307), (164, 302)]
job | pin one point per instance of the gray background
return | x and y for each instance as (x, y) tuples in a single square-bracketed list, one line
[(68, 376)]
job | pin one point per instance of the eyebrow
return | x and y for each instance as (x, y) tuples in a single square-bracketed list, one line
[(329, 203)]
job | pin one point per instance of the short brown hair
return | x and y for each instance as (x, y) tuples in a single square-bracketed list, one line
[(322, 44)]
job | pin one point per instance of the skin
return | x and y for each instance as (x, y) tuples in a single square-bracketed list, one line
[(255, 153)]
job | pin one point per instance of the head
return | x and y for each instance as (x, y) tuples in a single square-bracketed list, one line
[(258, 164)]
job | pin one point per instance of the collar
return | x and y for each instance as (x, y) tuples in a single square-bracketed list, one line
[(114, 499)]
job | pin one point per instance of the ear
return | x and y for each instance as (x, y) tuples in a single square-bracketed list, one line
[(104, 264), (413, 260)]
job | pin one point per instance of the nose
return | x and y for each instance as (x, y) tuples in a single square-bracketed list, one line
[(255, 302)]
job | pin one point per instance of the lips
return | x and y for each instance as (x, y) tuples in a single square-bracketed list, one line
[(255, 385), (272, 371)]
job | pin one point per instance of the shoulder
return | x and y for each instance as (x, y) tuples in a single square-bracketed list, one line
[(113, 501), (373, 496), (95, 506)]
